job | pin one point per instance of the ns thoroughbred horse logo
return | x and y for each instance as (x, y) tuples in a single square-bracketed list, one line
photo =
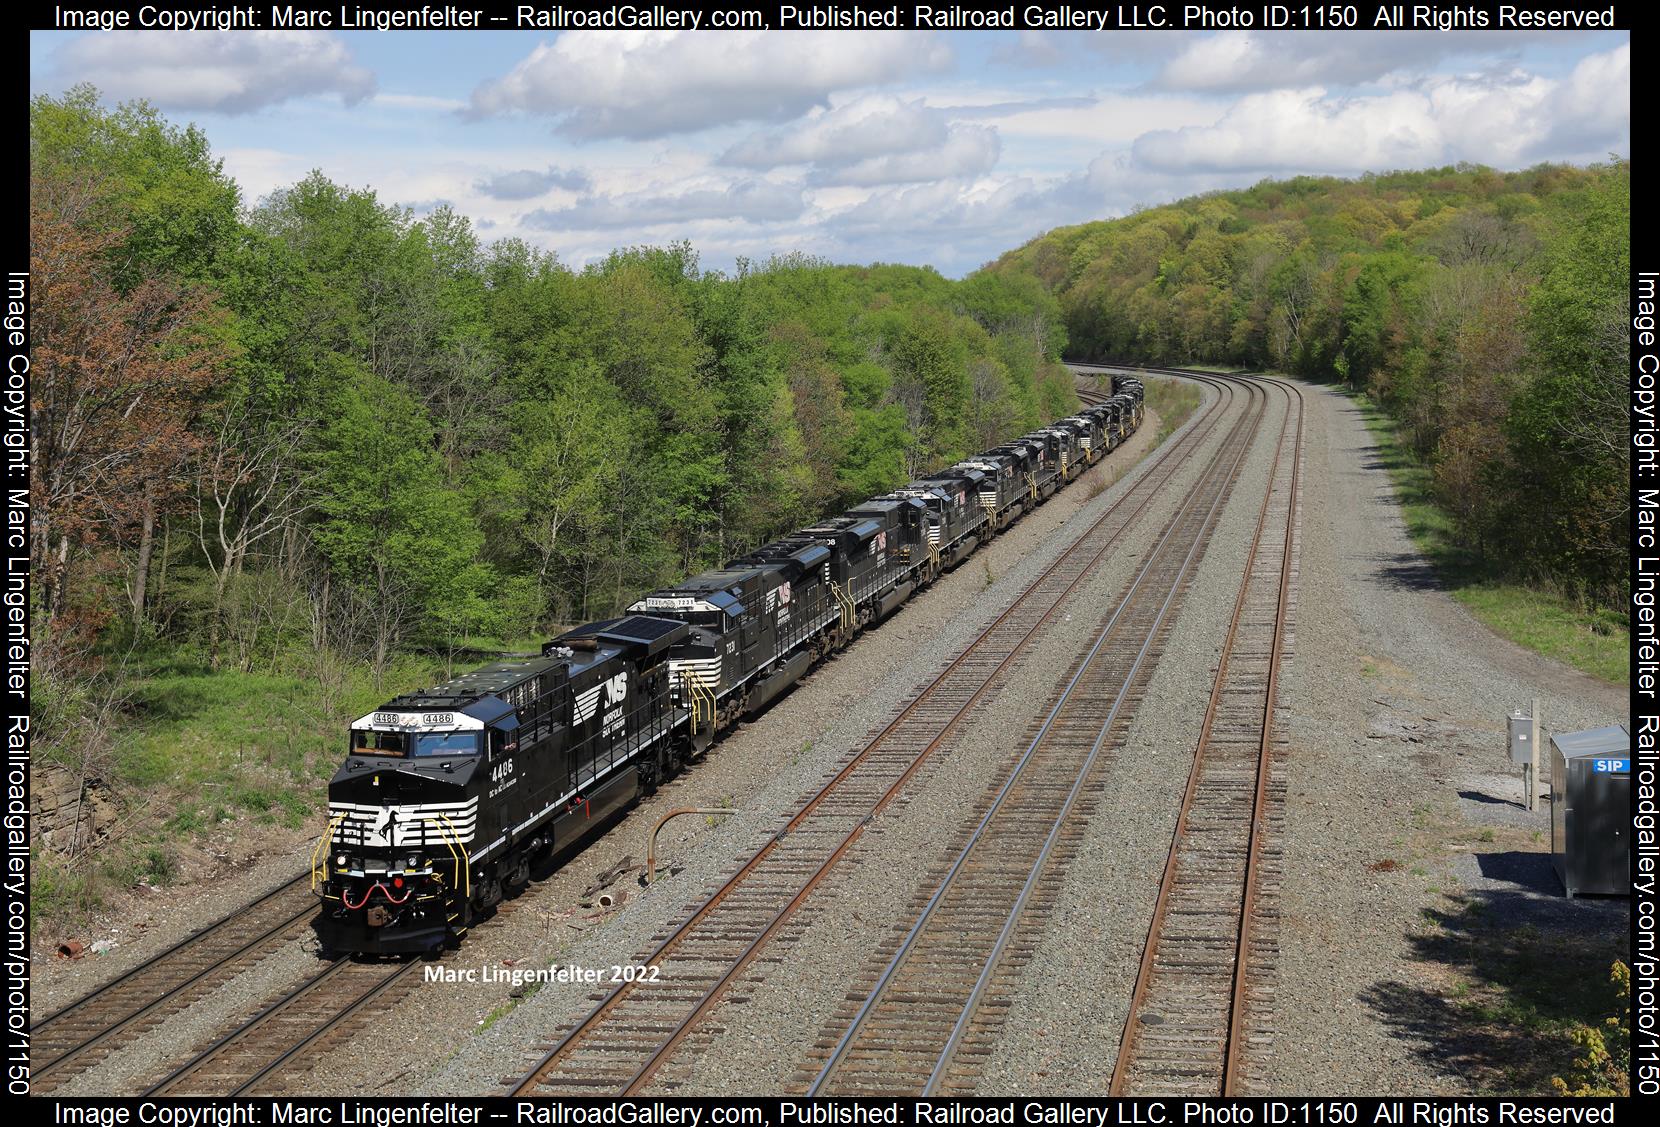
[(587, 701)]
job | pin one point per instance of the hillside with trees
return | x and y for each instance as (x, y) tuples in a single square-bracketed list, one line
[(296, 454), (1487, 312)]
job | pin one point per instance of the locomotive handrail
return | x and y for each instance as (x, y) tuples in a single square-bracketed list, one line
[(846, 604), (458, 852), (463, 862), (326, 838), (700, 697)]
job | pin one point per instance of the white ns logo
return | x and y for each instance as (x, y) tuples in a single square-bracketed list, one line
[(616, 688)]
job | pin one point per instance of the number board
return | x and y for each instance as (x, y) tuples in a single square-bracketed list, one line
[(409, 720), (670, 602)]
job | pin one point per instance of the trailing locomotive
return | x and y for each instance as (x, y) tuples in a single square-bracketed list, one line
[(449, 796)]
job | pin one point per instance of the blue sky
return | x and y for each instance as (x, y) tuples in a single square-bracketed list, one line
[(921, 147)]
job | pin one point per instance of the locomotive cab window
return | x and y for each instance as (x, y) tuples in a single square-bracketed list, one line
[(379, 743), (446, 743)]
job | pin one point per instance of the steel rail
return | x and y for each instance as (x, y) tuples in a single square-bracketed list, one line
[(154, 997), (1153, 558), (1259, 803), (1130, 1037), (249, 1035), (542, 1070)]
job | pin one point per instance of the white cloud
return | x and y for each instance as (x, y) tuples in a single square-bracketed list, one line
[(226, 72), (752, 201), (1240, 61), (876, 139), (1594, 105), (528, 183), (652, 83), (1507, 120), (966, 151), (874, 125), (1301, 129), (1110, 119), (259, 172)]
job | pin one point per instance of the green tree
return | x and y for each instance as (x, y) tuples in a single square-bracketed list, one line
[(387, 525)]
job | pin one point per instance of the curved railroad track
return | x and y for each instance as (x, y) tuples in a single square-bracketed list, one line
[(930, 1015), (620, 1043), (1199, 1016), (623, 1042)]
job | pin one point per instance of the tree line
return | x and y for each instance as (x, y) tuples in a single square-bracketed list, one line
[(322, 420), (1487, 311)]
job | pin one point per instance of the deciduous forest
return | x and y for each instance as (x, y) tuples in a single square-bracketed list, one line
[(295, 454), (1487, 312), (282, 446)]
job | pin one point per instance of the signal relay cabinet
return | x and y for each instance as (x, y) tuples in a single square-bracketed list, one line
[(1590, 810)]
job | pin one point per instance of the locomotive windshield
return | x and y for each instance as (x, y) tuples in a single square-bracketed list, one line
[(446, 743), (380, 743), (397, 744)]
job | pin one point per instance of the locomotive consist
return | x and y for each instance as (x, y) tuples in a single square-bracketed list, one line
[(449, 796)]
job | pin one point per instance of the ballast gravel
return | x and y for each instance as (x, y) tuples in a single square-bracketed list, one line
[(770, 765), (1394, 701), (1397, 704)]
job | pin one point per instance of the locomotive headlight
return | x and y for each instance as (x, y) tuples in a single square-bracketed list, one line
[(341, 860), (413, 863)]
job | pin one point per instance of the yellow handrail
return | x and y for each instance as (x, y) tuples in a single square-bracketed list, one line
[(326, 839), (700, 697), (458, 852), (465, 862), (845, 602)]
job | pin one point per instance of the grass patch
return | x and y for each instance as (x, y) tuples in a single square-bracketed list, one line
[(201, 750), (1592, 641), (1513, 1017), (1173, 401)]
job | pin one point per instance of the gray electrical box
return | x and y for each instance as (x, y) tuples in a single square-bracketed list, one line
[(1590, 810), (1521, 737)]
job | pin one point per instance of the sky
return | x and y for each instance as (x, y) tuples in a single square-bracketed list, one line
[(930, 148)]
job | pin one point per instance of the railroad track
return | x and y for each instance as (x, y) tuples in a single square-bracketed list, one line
[(86, 1031), (634, 1029), (332, 1003), (929, 1014), (346, 995), (1198, 1021)]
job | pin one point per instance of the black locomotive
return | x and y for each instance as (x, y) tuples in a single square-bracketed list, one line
[(449, 796)]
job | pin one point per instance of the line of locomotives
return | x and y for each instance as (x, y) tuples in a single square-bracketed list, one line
[(448, 797)]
